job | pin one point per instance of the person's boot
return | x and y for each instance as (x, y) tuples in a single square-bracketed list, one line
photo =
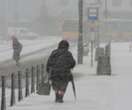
[(59, 96), (56, 97)]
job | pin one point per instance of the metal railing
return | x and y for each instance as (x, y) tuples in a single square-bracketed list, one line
[(27, 80)]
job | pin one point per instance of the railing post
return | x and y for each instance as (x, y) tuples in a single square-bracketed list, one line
[(37, 77), (20, 97), (27, 83), (92, 49), (12, 89), (99, 65), (3, 97), (32, 80), (42, 71)]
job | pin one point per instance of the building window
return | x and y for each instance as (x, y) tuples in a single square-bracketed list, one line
[(116, 3)]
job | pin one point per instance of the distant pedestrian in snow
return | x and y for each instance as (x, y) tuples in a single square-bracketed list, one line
[(17, 48), (59, 65)]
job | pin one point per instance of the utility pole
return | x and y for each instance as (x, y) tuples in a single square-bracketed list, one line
[(80, 37)]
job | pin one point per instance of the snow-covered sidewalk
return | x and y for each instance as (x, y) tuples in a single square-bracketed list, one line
[(47, 102), (93, 92)]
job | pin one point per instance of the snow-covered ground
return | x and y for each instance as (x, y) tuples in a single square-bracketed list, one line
[(93, 92), (122, 76)]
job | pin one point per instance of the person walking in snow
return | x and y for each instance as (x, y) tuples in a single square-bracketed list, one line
[(59, 66), (17, 48)]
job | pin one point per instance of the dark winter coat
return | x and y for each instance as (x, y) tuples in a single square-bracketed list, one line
[(59, 65), (60, 62)]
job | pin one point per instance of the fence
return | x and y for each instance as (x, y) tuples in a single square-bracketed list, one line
[(27, 80)]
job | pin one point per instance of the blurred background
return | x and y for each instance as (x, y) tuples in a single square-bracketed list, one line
[(29, 19)]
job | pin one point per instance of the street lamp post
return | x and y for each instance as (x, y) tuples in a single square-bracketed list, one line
[(80, 38)]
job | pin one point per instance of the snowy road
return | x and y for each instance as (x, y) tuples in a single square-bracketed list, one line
[(28, 47), (31, 51)]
